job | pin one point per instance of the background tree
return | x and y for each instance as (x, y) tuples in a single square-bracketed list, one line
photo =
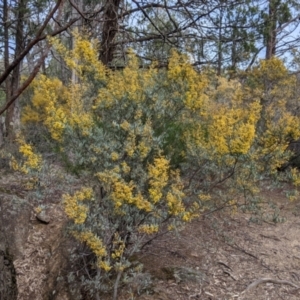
[(224, 34), (26, 25), (279, 21)]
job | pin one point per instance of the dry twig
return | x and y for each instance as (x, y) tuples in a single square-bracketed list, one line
[(270, 280)]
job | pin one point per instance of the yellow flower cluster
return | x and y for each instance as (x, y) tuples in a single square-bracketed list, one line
[(55, 106), (104, 264), (92, 241), (73, 209), (178, 66), (14, 164), (281, 127), (174, 201), (32, 161), (130, 144), (143, 149), (125, 125), (225, 130), (55, 121), (84, 51), (175, 195), (139, 137), (125, 168), (272, 69), (158, 178), (295, 176), (204, 197), (44, 106), (114, 156), (233, 206), (76, 109), (130, 83), (96, 245), (118, 247), (106, 179), (148, 229), (243, 181), (122, 192), (233, 130), (188, 216), (189, 82)]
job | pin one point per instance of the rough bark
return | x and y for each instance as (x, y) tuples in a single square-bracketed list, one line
[(271, 30), (13, 113), (109, 31), (6, 64)]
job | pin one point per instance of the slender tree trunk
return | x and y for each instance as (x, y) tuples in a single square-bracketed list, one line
[(76, 25), (110, 29), (115, 295), (220, 49), (234, 56), (6, 64), (271, 30), (12, 119)]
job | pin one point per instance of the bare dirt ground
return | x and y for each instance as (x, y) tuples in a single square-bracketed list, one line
[(227, 257)]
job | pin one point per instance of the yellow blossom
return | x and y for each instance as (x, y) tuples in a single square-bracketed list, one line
[(148, 229), (114, 156), (73, 208), (125, 167), (104, 265), (158, 174)]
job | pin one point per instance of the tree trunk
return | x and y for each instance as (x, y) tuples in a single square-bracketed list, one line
[(220, 48), (234, 54), (110, 29), (6, 64), (271, 30), (12, 119), (77, 25)]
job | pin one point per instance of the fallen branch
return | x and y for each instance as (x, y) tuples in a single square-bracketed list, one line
[(226, 271), (270, 280), (230, 274), (225, 265), (270, 237), (195, 295), (237, 247)]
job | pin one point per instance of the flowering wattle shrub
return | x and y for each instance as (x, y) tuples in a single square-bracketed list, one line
[(156, 145)]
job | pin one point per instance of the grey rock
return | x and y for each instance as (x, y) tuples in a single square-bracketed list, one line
[(43, 217)]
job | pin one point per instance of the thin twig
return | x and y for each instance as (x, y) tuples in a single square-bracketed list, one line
[(115, 295), (242, 250), (225, 265), (270, 237), (270, 280), (230, 274)]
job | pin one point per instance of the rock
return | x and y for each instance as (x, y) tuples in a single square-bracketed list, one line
[(43, 217), (13, 232), (33, 258), (8, 286)]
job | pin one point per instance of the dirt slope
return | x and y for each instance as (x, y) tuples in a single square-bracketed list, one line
[(220, 256)]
